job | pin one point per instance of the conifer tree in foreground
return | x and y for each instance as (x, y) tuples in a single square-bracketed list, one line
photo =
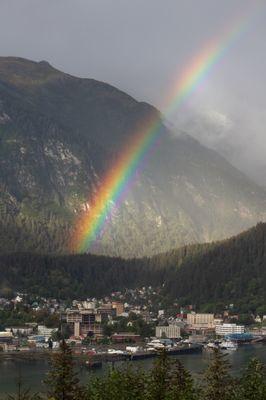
[(62, 381), (218, 382), (22, 393), (253, 381), (160, 378), (182, 385), (128, 384)]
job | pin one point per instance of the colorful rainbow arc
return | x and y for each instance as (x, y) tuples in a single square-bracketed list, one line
[(90, 224)]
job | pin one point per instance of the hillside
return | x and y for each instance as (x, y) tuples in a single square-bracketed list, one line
[(60, 134), (232, 271)]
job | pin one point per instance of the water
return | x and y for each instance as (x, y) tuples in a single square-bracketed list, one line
[(33, 372)]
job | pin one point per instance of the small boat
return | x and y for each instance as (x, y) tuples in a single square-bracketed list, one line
[(228, 345), (211, 346), (156, 344), (116, 352)]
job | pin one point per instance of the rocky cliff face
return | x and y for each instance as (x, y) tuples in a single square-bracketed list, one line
[(59, 135)]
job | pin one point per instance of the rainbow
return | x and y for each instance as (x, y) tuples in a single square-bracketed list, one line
[(90, 224)]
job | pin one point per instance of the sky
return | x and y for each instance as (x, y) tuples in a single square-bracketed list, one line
[(142, 47)]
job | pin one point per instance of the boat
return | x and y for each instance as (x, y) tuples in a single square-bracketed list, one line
[(156, 344), (228, 345), (116, 352), (211, 346)]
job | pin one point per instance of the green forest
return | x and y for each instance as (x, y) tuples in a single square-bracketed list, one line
[(232, 271)]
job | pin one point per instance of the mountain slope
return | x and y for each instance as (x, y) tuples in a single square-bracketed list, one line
[(232, 271), (59, 135)]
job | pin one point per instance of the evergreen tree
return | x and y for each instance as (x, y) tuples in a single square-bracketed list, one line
[(128, 384), (160, 378), (62, 381), (181, 385), (253, 381), (23, 394), (218, 382)]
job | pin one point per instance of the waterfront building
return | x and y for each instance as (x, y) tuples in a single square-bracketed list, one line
[(170, 332), (123, 337), (6, 337), (46, 332), (228, 329), (200, 320)]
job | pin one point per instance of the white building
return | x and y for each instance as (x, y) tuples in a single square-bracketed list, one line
[(46, 332), (229, 329), (170, 332)]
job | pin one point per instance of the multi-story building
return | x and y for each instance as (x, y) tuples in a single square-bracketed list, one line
[(229, 329), (20, 330), (170, 332), (84, 322), (200, 321), (46, 332), (6, 337), (118, 307)]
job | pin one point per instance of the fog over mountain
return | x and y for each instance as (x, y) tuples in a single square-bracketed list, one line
[(142, 46), (241, 140)]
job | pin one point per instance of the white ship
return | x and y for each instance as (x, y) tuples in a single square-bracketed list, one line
[(228, 345)]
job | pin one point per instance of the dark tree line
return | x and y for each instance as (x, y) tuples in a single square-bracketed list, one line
[(232, 271)]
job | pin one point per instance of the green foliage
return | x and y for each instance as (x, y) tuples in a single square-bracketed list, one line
[(62, 381), (210, 276), (128, 384), (253, 381), (23, 393), (218, 382), (231, 271), (182, 385), (160, 378)]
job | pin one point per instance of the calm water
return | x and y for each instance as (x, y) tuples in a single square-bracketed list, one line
[(33, 372)]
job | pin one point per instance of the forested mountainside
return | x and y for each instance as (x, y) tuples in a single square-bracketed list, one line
[(231, 271), (59, 135)]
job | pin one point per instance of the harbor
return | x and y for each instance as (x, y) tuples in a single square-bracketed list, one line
[(33, 369)]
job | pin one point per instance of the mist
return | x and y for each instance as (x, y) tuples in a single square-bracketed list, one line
[(142, 46)]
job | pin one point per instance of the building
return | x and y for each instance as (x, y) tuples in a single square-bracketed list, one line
[(20, 330), (85, 322), (200, 321), (46, 332), (6, 337), (229, 329), (119, 308), (123, 337), (170, 332)]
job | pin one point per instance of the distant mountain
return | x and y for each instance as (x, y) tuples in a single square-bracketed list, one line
[(211, 276), (60, 134)]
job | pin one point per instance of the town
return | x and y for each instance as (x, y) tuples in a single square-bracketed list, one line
[(122, 324)]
